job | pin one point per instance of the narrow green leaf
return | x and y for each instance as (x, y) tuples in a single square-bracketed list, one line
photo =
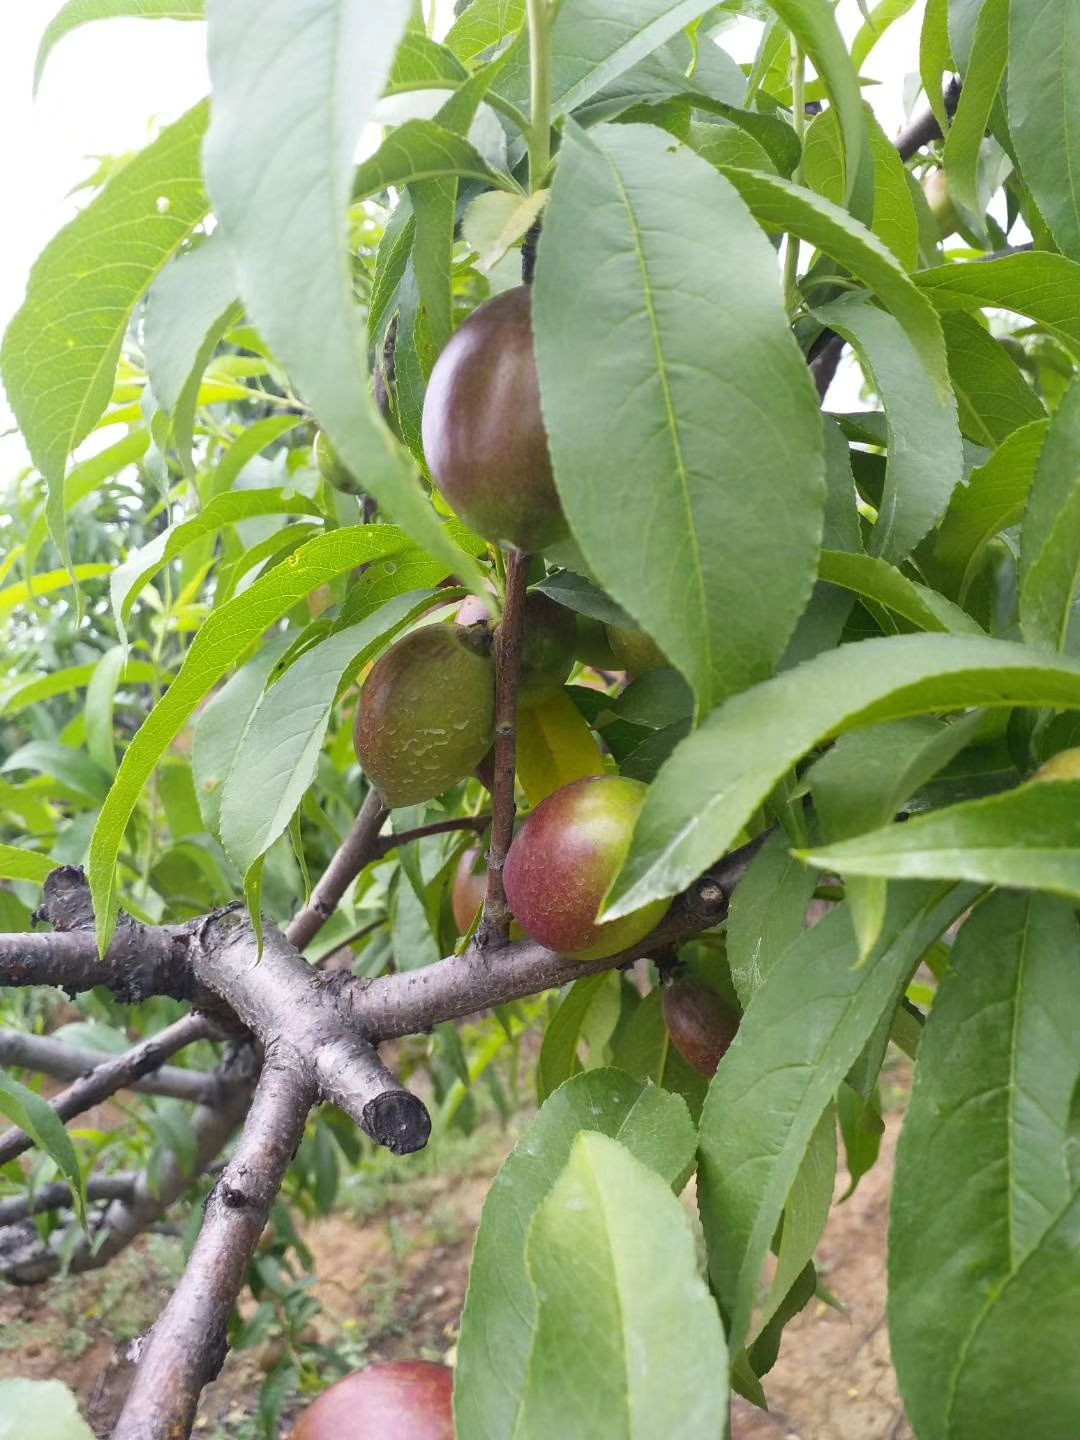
[(873, 579), (768, 912), (675, 420), (781, 206), (895, 221), (993, 398), (221, 725), (806, 1212), (81, 12), (982, 81), (500, 1304), (59, 352), (993, 499), (586, 1374), (132, 576), (981, 1284), (1043, 103), (35, 1116), (100, 698), (813, 24), (558, 1059), (32, 690), (1028, 838), (925, 457), (1050, 538), (250, 442), (281, 176), (802, 1032), (276, 759), (1042, 286), (21, 593), (18, 864), (188, 309), (224, 636), (935, 57), (73, 768), (718, 777)]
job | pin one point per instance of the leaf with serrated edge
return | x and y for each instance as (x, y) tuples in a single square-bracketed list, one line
[(718, 495), (717, 777), (500, 1309), (275, 762), (60, 351), (224, 636), (981, 1285), (293, 89), (628, 1342), (800, 1035)]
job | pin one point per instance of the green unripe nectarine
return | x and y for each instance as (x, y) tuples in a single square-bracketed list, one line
[(634, 651), (426, 716), (1065, 765), (564, 858), (333, 469)]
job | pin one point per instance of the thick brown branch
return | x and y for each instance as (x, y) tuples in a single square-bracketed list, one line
[(415, 1000), (925, 127), (357, 850), (105, 1076), (188, 1342), (495, 922), (279, 996)]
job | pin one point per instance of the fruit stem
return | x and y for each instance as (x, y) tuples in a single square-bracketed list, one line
[(798, 120), (494, 924), (539, 14)]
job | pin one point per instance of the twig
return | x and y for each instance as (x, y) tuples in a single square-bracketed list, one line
[(357, 850), (495, 922), (25, 1259), (386, 843), (188, 1343), (57, 1196), (50, 1056), (118, 1074)]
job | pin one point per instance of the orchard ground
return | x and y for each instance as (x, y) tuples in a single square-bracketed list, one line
[(393, 1261)]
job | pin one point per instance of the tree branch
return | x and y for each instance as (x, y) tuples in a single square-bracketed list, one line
[(25, 1259), (58, 1196), (188, 1343), (412, 1001), (495, 921), (104, 1077), (925, 127), (357, 850)]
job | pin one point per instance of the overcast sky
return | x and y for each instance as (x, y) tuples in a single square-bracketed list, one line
[(108, 85)]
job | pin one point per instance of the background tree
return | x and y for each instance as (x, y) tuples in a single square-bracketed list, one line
[(795, 629)]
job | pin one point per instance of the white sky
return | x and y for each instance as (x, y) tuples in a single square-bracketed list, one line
[(108, 83)]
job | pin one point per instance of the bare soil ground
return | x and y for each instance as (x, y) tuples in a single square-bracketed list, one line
[(392, 1263)]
